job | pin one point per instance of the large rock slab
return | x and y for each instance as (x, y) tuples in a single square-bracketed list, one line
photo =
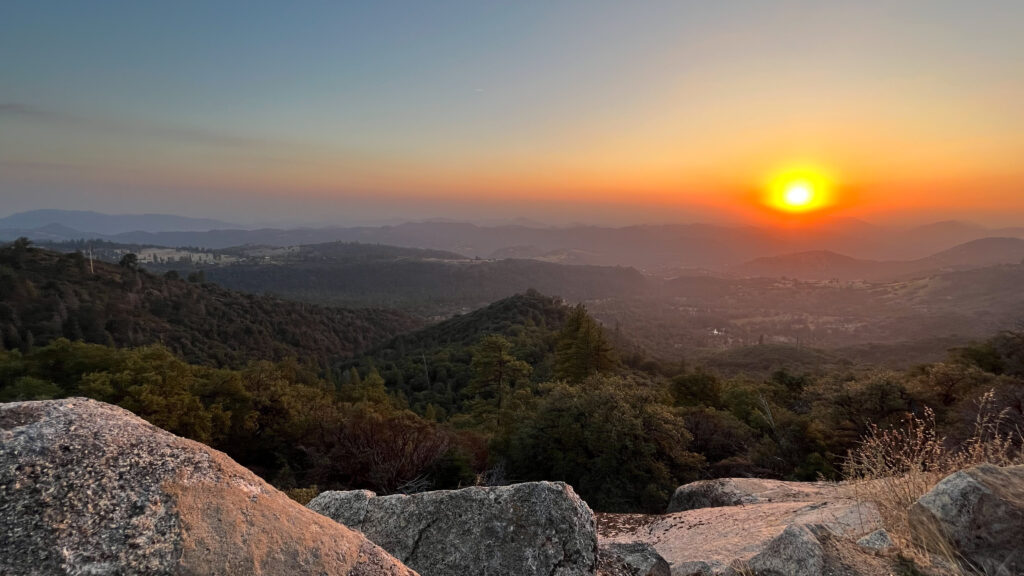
[(537, 528), (978, 514), (738, 491), (89, 488), (716, 540)]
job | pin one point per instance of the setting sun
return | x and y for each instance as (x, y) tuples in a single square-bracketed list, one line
[(799, 189), (799, 194)]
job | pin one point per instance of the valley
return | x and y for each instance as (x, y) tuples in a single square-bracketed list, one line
[(948, 301)]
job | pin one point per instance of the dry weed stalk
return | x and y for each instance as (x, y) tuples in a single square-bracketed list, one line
[(893, 468)]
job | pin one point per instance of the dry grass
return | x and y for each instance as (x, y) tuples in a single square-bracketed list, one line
[(893, 468)]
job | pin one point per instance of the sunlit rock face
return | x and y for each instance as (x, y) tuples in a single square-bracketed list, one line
[(734, 526), (736, 491), (89, 488)]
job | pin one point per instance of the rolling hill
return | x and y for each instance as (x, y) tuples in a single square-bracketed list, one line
[(434, 365), (975, 254), (826, 265), (811, 265)]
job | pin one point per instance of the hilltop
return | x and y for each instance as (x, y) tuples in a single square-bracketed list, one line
[(810, 265), (417, 362)]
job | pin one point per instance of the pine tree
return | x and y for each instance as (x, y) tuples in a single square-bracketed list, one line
[(582, 348), (495, 370), (371, 389)]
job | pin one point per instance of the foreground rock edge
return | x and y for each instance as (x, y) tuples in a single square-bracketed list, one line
[(89, 488)]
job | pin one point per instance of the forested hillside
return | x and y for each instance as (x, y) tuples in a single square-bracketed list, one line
[(433, 366), (45, 295)]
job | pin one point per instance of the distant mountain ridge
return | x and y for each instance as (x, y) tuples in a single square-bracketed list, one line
[(89, 222)]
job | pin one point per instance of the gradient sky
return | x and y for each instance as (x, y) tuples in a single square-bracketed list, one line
[(557, 111)]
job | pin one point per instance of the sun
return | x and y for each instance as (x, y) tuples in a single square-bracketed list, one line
[(798, 194), (799, 189)]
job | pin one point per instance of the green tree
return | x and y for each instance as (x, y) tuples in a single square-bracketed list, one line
[(582, 348), (697, 388), (19, 251), (371, 389), (129, 261), (495, 370)]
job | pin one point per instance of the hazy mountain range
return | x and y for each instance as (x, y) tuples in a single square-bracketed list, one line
[(662, 249)]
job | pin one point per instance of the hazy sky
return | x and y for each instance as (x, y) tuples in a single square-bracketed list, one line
[(555, 110)]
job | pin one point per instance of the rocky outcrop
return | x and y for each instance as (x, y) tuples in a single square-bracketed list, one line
[(738, 491), (538, 528), (630, 559), (89, 488), (780, 536), (978, 515)]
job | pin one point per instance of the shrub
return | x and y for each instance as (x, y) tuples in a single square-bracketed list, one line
[(303, 495)]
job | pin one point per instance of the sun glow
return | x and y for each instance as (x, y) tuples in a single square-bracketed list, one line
[(799, 189)]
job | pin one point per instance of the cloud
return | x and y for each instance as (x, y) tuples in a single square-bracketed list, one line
[(143, 129), (25, 111), (48, 166), (15, 109)]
